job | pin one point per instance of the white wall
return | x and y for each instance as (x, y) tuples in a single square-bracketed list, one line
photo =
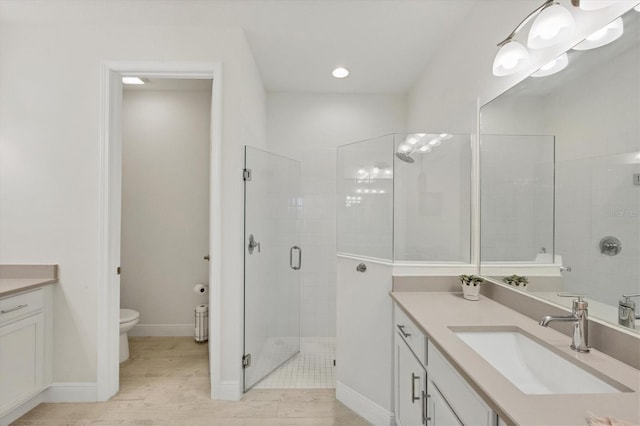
[(50, 142), (309, 127), (165, 206), (364, 341)]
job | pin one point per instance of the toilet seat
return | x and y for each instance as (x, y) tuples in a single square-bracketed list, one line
[(128, 315)]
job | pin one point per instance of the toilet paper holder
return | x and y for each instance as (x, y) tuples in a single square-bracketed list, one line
[(201, 288)]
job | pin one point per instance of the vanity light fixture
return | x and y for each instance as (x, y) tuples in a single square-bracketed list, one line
[(404, 148), (603, 36), (553, 67), (132, 80), (553, 24), (340, 72), (435, 142), (425, 148)]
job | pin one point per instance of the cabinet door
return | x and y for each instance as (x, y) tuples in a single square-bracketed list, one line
[(21, 360), (440, 414), (410, 387)]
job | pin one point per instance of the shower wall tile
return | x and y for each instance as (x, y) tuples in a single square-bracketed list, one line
[(309, 128)]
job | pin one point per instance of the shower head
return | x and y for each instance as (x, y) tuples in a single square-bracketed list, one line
[(404, 157)]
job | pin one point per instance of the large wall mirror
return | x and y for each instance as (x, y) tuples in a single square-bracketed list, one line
[(560, 178)]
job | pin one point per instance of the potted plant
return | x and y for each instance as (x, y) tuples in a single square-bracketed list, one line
[(470, 286), (516, 280)]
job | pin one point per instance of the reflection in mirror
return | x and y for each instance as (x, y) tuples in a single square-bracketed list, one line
[(560, 160)]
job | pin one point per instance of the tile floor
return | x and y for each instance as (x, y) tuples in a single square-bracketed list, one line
[(312, 368), (166, 382)]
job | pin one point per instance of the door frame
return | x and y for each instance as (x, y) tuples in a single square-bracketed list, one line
[(110, 196)]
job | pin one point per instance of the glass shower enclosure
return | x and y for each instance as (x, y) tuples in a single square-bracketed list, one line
[(406, 198), (272, 263)]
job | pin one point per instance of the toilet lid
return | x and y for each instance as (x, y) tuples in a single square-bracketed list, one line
[(127, 315)]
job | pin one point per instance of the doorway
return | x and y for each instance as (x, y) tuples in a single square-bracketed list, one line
[(165, 204), (110, 224)]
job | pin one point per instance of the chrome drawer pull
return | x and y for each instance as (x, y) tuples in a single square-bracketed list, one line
[(13, 309), (414, 398), (404, 333)]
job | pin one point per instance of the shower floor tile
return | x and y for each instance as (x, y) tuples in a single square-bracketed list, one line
[(312, 368)]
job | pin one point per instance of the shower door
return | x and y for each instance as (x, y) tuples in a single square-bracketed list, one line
[(272, 262)]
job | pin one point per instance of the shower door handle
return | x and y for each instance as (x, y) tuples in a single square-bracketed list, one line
[(295, 268)]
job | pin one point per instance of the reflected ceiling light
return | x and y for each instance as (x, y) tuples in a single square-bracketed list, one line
[(362, 171), (603, 36), (445, 136), (552, 26), (132, 80), (637, 8), (435, 142), (596, 4), (404, 148), (553, 67), (387, 172), (381, 191), (340, 72), (425, 148)]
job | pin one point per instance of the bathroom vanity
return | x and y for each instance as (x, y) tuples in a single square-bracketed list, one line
[(439, 378), (25, 335)]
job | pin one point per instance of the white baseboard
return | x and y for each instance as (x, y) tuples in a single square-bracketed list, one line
[(71, 392), (230, 390), (20, 410), (364, 407), (174, 330)]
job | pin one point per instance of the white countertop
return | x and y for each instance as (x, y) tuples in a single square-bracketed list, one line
[(9, 286), (435, 312), (18, 278)]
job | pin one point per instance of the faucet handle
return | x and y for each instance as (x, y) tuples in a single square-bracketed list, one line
[(579, 296), (629, 296), (579, 304)]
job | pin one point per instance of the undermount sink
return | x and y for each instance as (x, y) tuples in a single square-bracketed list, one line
[(531, 366)]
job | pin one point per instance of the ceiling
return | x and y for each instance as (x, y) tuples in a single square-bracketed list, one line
[(296, 43), (386, 44)]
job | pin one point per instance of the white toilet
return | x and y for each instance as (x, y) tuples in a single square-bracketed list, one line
[(128, 318)]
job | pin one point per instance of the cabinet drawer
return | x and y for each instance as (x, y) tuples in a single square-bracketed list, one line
[(466, 403), (20, 305), (410, 333)]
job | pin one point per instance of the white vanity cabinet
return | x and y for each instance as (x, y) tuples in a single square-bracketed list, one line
[(440, 413), (24, 371), (428, 390), (410, 376), (410, 384)]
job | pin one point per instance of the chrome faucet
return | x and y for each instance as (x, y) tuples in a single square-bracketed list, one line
[(579, 317), (627, 311)]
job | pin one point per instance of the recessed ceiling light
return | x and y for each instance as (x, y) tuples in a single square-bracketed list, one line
[(132, 80), (340, 72)]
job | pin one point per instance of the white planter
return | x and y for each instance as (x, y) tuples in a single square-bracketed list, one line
[(470, 292)]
